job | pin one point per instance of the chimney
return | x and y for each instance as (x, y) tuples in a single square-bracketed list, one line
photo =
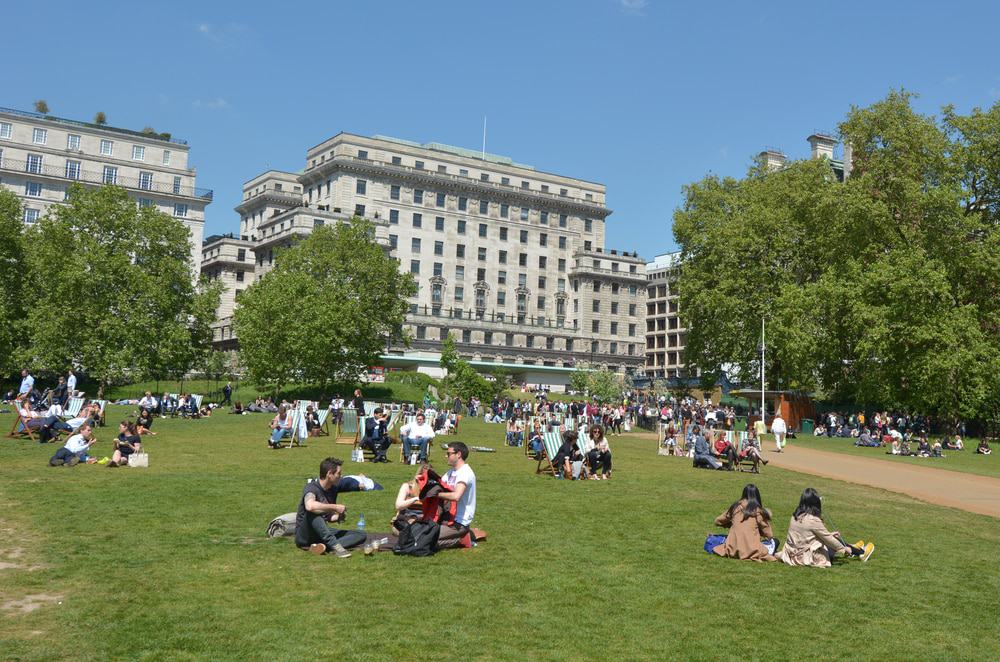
[(774, 159), (822, 145)]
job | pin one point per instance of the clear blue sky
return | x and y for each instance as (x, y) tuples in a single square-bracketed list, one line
[(643, 96)]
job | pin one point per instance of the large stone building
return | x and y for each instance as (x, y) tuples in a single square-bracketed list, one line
[(507, 258), (42, 155)]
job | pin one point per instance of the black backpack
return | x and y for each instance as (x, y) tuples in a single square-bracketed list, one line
[(418, 539)]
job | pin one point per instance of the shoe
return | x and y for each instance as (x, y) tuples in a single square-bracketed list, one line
[(73, 461), (860, 543), (339, 550), (869, 550), (317, 548), (57, 462)]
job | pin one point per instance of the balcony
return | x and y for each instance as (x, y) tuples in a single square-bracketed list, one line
[(491, 321), (30, 169), (583, 270)]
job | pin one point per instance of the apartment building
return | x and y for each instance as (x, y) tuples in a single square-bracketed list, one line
[(507, 258), (664, 332), (42, 155)]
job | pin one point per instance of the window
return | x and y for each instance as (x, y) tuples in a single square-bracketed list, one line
[(560, 307), (529, 341), (145, 202), (110, 175), (541, 303), (72, 170), (631, 329), (33, 189), (73, 142), (522, 259), (30, 215), (362, 154), (394, 192), (480, 274), (614, 288), (542, 261), (359, 210), (463, 172), (614, 328), (614, 345), (459, 272), (145, 180), (562, 242), (597, 286), (393, 241), (361, 187), (631, 309), (488, 337), (588, 225), (239, 276), (504, 210), (460, 295), (439, 248), (595, 327), (107, 148), (461, 227), (484, 207), (543, 239), (503, 257), (394, 216), (562, 220), (522, 280), (166, 157), (482, 229), (466, 336), (39, 136), (177, 185), (632, 290), (415, 245), (138, 153), (482, 253), (443, 169), (419, 165), (6, 131), (418, 196), (543, 218), (421, 332), (614, 307), (33, 164), (438, 269), (501, 298), (524, 184), (241, 254), (397, 161), (586, 245), (439, 223), (597, 306), (440, 199), (459, 250), (524, 213), (501, 277), (418, 220), (180, 210), (463, 203), (503, 234), (541, 282), (524, 236), (414, 266)]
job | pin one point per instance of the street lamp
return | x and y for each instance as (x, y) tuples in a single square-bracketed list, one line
[(761, 348)]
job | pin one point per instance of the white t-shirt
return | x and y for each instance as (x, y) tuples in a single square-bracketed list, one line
[(778, 425), (467, 504), (76, 444), (424, 431), (71, 385)]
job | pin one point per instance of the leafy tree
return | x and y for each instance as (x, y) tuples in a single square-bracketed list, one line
[(579, 380), (463, 380), (882, 289), (42, 107), (12, 267), (118, 301), (100, 118), (325, 312), (449, 354), (604, 385)]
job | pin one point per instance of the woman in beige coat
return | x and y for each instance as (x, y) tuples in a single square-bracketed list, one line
[(748, 521), (809, 543)]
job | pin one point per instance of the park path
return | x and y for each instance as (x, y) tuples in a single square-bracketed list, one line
[(976, 494)]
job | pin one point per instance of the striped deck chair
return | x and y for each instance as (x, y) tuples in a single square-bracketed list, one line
[(370, 408), (347, 429), (551, 441), (197, 401), (103, 404), (21, 429), (323, 416), (73, 407)]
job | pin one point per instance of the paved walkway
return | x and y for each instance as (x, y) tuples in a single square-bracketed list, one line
[(976, 494)]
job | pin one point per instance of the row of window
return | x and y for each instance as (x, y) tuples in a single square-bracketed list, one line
[(462, 225), (40, 136), (35, 190), (35, 164), (481, 255), (530, 341), (616, 288)]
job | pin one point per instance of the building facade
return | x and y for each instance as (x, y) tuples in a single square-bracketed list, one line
[(665, 334), (41, 156), (508, 259)]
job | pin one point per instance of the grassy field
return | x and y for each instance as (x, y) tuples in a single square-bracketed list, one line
[(966, 461), (171, 563)]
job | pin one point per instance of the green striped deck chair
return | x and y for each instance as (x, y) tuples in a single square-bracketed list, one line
[(323, 416), (347, 429), (197, 400), (296, 427), (551, 441), (103, 405), (370, 408), (73, 408)]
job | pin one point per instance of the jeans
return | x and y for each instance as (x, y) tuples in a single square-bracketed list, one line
[(451, 536), (420, 442), (277, 434), (316, 530), (376, 445), (706, 461), (65, 454), (600, 461)]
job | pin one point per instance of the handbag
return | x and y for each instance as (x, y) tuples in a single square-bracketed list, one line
[(138, 460), (357, 455)]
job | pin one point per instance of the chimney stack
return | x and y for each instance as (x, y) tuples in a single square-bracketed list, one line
[(822, 145), (773, 159)]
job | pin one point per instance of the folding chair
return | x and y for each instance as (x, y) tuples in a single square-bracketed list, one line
[(323, 416), (370, 408), (551, 441), (102, 404), (21, 429), (297, 428), (73, 407), (347, 429)]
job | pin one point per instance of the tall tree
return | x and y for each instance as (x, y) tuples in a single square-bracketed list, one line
[(119, 300), (325, 312), (12, 275)]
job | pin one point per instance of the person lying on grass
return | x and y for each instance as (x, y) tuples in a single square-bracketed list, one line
[(748, 522), (319, 506), (128, 442), (75, 450), (809, 543)]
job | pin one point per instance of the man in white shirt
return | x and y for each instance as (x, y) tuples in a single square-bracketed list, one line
[(71, 384), (462, 481), (75, 450), (148, 402), (27, 382), (418, 434), (779, 429)]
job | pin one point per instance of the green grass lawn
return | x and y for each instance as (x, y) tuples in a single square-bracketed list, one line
[(965, 461), (171, 563)]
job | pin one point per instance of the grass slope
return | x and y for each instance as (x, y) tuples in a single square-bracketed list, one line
[(171, 563)]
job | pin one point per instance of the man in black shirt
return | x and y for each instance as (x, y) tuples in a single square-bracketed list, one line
[(568, 453), (317, 507)]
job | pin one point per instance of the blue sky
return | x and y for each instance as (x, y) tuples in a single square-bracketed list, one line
[(642, 95)]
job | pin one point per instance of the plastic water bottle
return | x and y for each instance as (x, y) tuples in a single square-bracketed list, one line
[(361, 522)]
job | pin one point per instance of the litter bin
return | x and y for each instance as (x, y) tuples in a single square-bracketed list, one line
[(808, 425)]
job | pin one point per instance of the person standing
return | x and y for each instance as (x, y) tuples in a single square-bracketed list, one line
[(319, 506), (71, 383), (358, 402), (27, 382), (462, 481), (779, 429), (227, 394)]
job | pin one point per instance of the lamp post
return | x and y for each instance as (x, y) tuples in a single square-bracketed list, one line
[(762, 349)]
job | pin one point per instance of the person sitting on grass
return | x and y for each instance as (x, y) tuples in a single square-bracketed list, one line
[(319, 506), (820, 430), (751, 449), (75, 450), (952, 444), (128, 442), (238, 408), (568, 454), (144, 423), (809, 543), (923, 448), (281, 426), (748, 522), (408, 500), (600, 456), (866, 439), (462, 481), (984, 447)]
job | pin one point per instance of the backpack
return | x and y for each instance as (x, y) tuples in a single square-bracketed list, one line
[(418, 539)]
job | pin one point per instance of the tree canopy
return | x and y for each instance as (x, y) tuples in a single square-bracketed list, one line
[(12, 276), (325, 312), (881, 289)]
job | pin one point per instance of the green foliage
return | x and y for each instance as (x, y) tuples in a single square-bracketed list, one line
[(463, 380), (449, 354), (118, 298), (883, 289), (579, 381), (42, 106), (325, 312), (604, 385), (12, 293)]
